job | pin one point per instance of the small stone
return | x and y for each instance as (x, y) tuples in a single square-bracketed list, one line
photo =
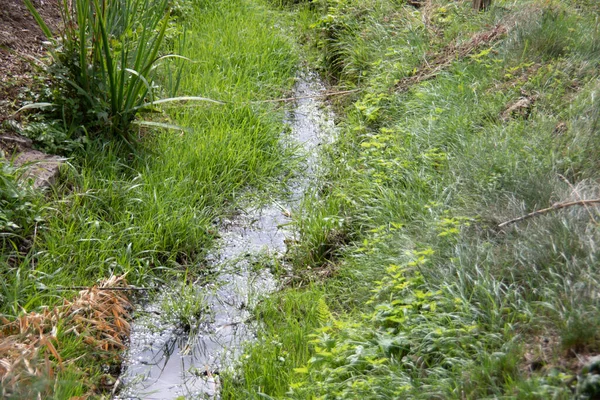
[(592, 366), (588, 386)]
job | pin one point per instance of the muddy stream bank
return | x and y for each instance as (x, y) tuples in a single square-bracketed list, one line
[(165, 361)]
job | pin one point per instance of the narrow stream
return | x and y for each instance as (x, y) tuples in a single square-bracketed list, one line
[(163, 362)]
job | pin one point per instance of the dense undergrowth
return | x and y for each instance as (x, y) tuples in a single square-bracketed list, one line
[(456, 129), (147, 211)]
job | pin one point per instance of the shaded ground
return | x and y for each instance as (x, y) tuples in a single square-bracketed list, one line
[(20, 42)]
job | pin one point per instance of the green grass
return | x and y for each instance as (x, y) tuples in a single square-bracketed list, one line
[(430, 299), (150, 214)]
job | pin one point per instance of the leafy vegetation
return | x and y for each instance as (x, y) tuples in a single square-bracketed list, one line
[(457, 127)]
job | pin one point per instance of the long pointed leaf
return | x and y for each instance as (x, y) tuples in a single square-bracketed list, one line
[(162, 125), (175, 56), (175, 99), (109, 60), (140, 77), (34, 106), (38, 18)]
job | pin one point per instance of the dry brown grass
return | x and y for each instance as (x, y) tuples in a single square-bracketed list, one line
[(30, 349)]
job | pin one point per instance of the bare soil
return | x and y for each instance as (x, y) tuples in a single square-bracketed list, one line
[(21, 46), (21, 43)]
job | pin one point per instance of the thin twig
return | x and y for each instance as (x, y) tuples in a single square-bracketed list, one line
[(282, 100), (576, 192), (122, 289), (116, 386), (315, 96), (556, 206)]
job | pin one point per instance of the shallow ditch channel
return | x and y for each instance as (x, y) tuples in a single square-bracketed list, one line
[(166, 361)]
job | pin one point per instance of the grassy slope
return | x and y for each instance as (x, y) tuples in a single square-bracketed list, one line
[(150, 215), (430, 299)]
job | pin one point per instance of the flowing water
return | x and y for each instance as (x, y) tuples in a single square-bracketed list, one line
[(163, 361)]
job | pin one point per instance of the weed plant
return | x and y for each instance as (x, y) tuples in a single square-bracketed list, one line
[(431, 299)]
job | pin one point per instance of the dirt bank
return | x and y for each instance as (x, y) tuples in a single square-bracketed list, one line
[(21, 42)]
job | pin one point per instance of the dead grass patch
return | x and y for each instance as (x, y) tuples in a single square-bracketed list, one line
[(30, 346)]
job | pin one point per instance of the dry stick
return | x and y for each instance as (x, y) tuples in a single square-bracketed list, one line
[(557, 206), (452, 52), (574, 189), (123, 289), (307, 97), (285, 99)]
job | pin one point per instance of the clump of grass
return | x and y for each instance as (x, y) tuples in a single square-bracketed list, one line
[(320, 235), (31, 345), (184, 306), (267, 367), (105, 59)]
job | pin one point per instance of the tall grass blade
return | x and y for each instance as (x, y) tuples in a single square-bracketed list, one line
[(34, 106), (176, 99), (38, 19)]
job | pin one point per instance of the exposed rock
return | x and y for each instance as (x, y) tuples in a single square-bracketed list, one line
[(589, 380), (42, 168)]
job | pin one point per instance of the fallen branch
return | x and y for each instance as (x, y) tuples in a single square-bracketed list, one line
[(451, 53), (315, 96), (574, 189), (555, 207)]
